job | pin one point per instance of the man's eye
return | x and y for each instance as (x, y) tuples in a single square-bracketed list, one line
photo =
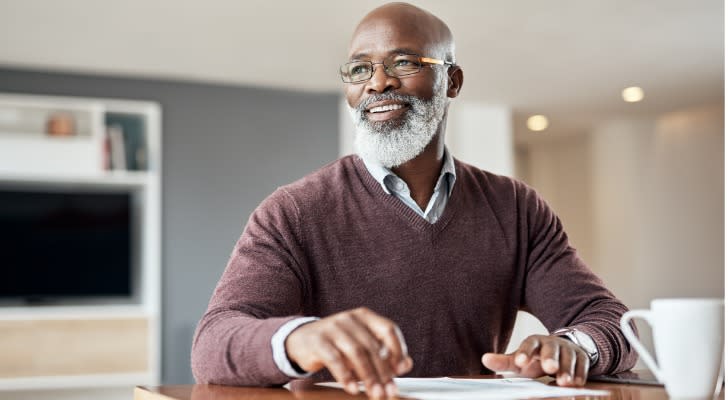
[(359, 69), (406, 64)]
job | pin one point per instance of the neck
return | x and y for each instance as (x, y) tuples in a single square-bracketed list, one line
[(421, 173)]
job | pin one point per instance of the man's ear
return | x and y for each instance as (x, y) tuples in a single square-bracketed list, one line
[(454, 81)]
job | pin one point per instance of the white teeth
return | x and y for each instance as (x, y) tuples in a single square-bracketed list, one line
[(388, 107)]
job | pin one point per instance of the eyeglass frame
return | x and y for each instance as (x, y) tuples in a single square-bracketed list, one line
[(425, 60)]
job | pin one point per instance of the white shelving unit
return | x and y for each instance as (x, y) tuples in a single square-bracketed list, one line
[(30, 157)]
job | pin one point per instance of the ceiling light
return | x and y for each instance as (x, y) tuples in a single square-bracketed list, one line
[(633, 94), (537, 123)]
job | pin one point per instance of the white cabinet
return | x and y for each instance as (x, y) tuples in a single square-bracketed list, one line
[(50, 135), (65, 143)]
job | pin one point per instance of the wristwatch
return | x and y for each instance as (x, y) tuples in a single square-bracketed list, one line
[(582, 340)]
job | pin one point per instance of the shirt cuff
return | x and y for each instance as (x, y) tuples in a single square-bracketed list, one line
[(278, 343)]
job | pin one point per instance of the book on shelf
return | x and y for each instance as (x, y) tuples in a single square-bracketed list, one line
[(117, 150), (127, 141)]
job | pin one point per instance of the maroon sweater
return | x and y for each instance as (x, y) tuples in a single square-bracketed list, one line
[(335, 240)]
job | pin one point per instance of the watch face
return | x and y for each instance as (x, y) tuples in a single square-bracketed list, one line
[(582, 340), (585, 341)]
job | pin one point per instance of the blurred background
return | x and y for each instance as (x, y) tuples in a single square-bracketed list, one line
[(250, 100)]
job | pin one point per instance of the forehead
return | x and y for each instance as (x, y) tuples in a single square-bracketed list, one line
[(379, 37)]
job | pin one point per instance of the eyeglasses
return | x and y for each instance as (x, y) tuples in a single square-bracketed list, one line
[(395, 66)]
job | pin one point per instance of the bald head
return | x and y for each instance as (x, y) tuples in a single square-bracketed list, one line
[(418, 25), (400, 107)]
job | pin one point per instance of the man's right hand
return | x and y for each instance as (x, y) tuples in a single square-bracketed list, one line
[(355, 345)]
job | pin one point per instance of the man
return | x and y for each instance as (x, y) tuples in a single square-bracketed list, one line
[(402, 242)]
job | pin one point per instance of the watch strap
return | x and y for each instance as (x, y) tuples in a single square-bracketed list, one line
[(581, 339)]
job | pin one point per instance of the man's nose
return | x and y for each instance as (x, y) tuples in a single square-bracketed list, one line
[(380, 81)]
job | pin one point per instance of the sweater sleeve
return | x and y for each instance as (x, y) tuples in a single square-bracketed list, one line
[(561, 291), (261, 289)]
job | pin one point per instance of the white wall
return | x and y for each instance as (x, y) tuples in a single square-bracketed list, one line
[(481, 135), (618, 153), (659, 220), (346, 129), (643, 201), (550, 168), (688, 186)]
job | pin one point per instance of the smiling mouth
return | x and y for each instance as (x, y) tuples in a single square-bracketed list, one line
[(386, 112), (385, 108)]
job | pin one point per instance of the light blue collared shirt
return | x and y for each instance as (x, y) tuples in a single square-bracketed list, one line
[(394, 185)]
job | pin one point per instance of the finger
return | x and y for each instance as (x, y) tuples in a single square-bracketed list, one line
[(387, 332), (532, 369), (377, 352), (526, 351), (567, 361), (391, 336), (388, 339), (500, 362), (549, 354), (334, 361), (403, 364), (358, 357), (581, 368)]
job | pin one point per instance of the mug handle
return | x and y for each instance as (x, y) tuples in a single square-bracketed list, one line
[(634, 341)]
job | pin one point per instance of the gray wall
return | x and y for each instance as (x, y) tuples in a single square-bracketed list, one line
[(224, 149)]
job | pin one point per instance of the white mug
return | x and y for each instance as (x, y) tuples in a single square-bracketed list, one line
[(688, 338)]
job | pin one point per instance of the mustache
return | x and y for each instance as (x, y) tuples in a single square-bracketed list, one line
[(362, 106)]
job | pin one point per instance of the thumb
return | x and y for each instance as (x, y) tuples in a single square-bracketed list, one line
[(500, 362)]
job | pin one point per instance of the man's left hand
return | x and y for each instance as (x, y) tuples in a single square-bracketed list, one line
[(540, 355)]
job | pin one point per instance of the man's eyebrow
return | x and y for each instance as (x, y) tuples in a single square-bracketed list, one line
[(358, 56), (404, 50), (399, 50)]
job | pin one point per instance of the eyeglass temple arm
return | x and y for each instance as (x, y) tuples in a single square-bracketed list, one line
[(434, 61)]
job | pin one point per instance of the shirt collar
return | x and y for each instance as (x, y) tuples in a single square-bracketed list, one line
[(380, 172)]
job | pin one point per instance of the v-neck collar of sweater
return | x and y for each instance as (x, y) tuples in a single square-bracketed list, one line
[(401, 209)]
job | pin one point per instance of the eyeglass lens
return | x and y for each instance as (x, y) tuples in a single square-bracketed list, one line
[(398, 65)]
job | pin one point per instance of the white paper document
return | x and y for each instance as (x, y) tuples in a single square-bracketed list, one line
[(480, 389)]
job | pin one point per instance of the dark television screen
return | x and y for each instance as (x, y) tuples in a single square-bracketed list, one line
[(56, 244)]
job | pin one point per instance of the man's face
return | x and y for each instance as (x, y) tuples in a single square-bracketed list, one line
[(395, 117)]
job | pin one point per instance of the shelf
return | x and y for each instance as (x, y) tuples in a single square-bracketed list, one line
[(111, 179), (77, 381), (41, 136), (29, 114), (16, 313)]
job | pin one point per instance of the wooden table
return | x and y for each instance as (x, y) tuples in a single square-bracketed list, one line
[(305, 390)]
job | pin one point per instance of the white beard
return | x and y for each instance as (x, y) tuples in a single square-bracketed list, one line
[(391, 144)]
